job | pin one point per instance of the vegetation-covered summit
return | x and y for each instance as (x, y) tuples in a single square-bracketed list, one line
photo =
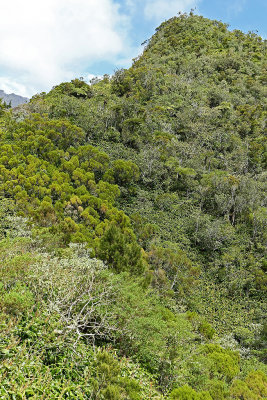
[(160, 172)]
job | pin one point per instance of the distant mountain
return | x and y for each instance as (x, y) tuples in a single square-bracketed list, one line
[(147, 197), (13, 98)]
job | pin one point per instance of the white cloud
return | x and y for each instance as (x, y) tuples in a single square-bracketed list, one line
[(43, 42), (236, 7), (11, 86), (164, 9)]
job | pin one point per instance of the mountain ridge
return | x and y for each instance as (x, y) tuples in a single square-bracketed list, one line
[(13, 99), (142, 225)]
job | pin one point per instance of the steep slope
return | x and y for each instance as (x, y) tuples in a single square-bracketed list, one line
[(161, 171), (190, 114)]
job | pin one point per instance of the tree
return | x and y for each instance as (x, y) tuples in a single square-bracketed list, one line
[(120, 250)]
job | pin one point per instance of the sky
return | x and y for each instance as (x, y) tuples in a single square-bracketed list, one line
[(45, 42)]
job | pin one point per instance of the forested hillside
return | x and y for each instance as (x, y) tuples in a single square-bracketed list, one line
[(133, 227)]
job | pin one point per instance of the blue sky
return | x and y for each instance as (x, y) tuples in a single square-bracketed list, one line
[(45, 42)]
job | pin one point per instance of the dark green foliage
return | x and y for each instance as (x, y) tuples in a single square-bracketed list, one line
[(76, 88), (59, 181), (160, 171), (120, 251)]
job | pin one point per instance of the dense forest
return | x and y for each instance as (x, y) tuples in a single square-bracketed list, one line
[(133, 227)]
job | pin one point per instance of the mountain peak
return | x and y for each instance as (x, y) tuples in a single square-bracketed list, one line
[(12, 98)]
